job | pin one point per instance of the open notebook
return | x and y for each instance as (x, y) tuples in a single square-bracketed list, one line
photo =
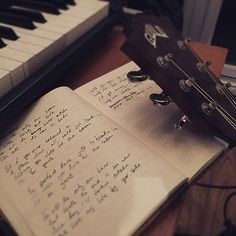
[(97, 161)]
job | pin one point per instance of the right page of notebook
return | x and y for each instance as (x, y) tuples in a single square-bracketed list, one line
[(129, 105)]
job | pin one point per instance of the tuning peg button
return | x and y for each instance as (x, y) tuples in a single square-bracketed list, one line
[(161, 99), (182, 122), (137, 76)]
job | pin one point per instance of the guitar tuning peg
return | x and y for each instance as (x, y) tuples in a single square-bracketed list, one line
[(186, 85), (182, 122), (161, 99), (183, 44), (220, 88), (137, 76), (188, 40), (203, 66), (228, 85), (208, 108), (164, 61)]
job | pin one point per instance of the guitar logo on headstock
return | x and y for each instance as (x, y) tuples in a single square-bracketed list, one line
[(151, 32)]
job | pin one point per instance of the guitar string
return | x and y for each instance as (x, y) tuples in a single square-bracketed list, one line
[(226, 118), (212, 75), (226, 92), (215, 79), (209, 98), (220, 109)]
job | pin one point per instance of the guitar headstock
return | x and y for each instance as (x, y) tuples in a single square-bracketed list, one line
[(159, 50)]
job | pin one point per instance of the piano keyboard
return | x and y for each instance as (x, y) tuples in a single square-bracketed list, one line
[(35, 32)]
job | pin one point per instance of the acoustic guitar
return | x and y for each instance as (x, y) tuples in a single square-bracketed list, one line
[(155, 45)]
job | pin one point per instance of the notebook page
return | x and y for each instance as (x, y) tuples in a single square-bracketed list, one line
[(71, 171), (129, 105), (13, 219)]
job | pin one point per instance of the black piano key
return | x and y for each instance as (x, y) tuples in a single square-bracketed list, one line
[(70, 2), (20, 21), (4, 4), (58, 3), (7, 33), (37, 5), (32, 15), (2, 44)]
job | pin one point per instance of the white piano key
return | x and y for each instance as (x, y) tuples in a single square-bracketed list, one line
[(42, 42), (31, 56), (73, 25), (26, 59), (78, 19), (62, 17), (44, 34), (34, 40), (52, 28), (87, 17), (37, 32), (39, 53), (49, 46), (35, 47), (91, 15), (5, 82), (83, 11), (91, 3), (14, 68), (52, 43), (22, 46), (68, 23)]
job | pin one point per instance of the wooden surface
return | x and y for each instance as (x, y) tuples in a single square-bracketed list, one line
[(198, 211), (216, 55), (105, 57), (201, 211)]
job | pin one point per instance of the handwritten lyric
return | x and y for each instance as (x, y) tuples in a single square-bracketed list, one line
[(87, 195), (68, 170), (117, 92)]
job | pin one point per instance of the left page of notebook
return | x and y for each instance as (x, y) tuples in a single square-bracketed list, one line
[(66, 169)]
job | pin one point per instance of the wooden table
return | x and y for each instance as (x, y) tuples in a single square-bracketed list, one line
[(199, 210)]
